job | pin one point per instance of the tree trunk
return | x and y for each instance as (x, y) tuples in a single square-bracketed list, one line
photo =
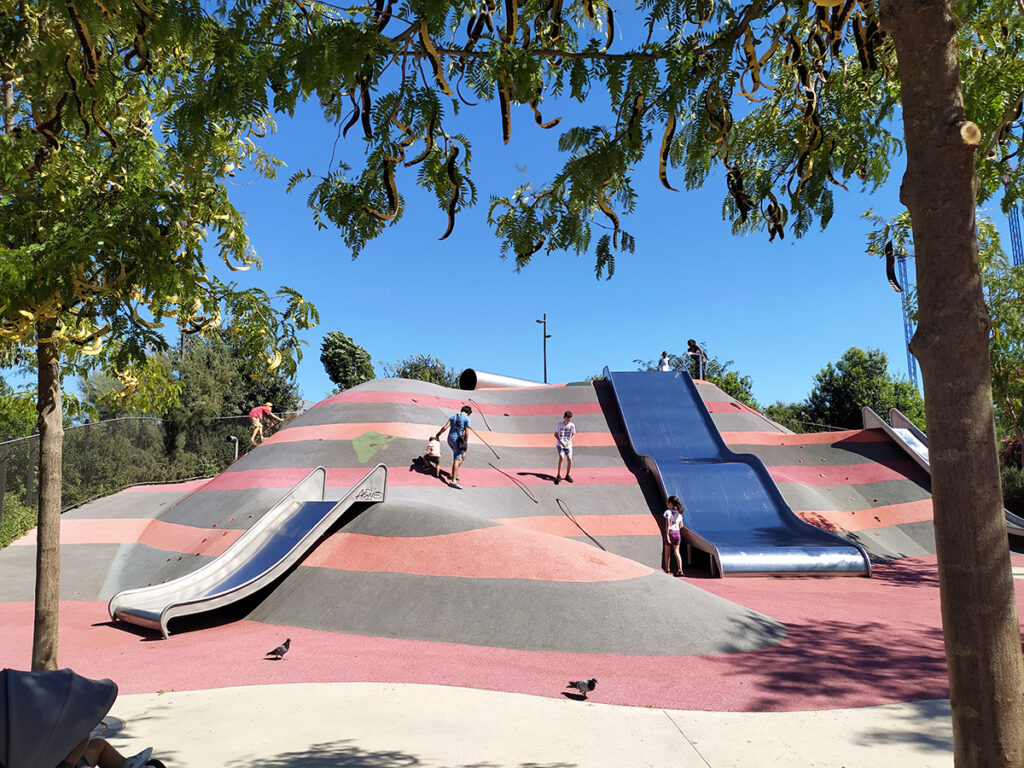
[(979, 613), (51, 438)]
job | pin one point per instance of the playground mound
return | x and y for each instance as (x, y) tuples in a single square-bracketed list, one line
[(514, 577)]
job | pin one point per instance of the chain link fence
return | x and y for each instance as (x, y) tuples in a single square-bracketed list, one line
[(104, 457)]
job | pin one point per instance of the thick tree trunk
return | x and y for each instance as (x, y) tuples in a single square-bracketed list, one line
[(979, 613), (51, 439)]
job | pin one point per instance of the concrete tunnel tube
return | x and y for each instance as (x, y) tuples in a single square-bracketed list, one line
[(473, 379)]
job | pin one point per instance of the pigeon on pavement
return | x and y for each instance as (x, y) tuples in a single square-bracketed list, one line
[(583, 686), (281, 650)]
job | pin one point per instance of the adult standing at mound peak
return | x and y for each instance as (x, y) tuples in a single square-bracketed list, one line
[(256, 416), (700, 357), (458, 440)]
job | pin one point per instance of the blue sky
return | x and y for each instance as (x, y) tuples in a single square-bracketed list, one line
[(780, 310)]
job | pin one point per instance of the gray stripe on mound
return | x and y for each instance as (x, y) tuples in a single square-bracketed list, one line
[(812, 455), (652, 615), (852, 498)]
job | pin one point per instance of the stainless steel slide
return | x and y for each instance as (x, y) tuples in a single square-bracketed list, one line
[(913, 441), (263, 553), (734, 510)]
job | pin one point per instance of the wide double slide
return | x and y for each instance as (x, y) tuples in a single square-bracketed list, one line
[(734, 510), (912, 440), (275, 543)]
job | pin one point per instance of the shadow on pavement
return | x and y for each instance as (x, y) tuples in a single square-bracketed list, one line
[(928, 725), (344, 754)]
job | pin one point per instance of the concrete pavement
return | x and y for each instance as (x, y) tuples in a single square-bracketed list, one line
[(390, 725)]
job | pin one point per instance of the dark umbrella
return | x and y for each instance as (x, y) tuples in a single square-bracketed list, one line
[(44, 715)]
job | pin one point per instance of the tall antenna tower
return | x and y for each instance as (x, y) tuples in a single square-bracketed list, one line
[(1018, 251), (896, 270), (908, 324)]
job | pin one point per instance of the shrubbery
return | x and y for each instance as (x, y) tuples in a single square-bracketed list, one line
[(17, 519)]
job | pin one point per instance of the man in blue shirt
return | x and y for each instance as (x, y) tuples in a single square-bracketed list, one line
[(458, 440)]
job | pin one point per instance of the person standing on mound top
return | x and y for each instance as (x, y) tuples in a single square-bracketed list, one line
[(256, 416), (458, 440), (700, 358), (664, 364), (565, 431)]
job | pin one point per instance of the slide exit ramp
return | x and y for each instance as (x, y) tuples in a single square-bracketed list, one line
[(734, 510), (912, 440), (275, 543)]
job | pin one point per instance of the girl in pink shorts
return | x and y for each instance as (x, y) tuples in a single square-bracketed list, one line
[(673, 534)]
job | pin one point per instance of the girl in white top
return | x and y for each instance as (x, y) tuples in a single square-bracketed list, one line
[(673, 534)]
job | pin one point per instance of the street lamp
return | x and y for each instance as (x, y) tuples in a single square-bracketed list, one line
[(547, 336)]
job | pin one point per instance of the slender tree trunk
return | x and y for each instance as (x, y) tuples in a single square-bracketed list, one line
[(51, 438), (979, 613), (7, 87)]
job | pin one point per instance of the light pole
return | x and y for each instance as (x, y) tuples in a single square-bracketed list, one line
[(544, 322)]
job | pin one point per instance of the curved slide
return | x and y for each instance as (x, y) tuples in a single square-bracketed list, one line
[(734, 510), (906, 435), (267, 550)]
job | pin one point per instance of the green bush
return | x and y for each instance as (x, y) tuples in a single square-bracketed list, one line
[(17, 519), (1013, 488)]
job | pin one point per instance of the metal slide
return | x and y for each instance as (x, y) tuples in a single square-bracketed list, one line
[(734, 510), (263, 553), (913, 441)]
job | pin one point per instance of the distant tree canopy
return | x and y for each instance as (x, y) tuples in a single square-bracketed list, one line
[(422, 368), (789, 415), (17, 413), (860, 377), (347, 364)]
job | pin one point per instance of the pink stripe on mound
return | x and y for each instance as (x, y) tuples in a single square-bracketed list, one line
[(870, 517), (341, 477), (641, 524), (171, 537), (350, 431), (818, 438), (454, 404), (495, 552), (847, 474)]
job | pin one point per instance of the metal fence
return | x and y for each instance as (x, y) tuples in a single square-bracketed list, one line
[(104, 457)]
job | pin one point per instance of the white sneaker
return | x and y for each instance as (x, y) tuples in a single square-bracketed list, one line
[(139, 760)]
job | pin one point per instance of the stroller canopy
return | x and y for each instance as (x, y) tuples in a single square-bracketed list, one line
[(44, 715)]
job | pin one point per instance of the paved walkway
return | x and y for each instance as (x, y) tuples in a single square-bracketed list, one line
[(394, 725)]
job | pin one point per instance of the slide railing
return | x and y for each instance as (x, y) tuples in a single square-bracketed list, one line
[(912, 440)]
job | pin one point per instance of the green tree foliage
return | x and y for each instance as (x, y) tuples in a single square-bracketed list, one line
[(422, 368), (217, 383), (860, 377), (790, 415), (347, 364), (778, 103), (1004, 289), (110, 187), (17, 412)]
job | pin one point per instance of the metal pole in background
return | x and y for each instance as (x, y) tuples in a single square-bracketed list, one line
[(547, 336)]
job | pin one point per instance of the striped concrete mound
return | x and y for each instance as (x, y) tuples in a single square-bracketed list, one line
[(511, 561), (856, 483), (501, 585)]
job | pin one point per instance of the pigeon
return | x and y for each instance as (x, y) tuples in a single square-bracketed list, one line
[(583, 686), (281, 650)]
